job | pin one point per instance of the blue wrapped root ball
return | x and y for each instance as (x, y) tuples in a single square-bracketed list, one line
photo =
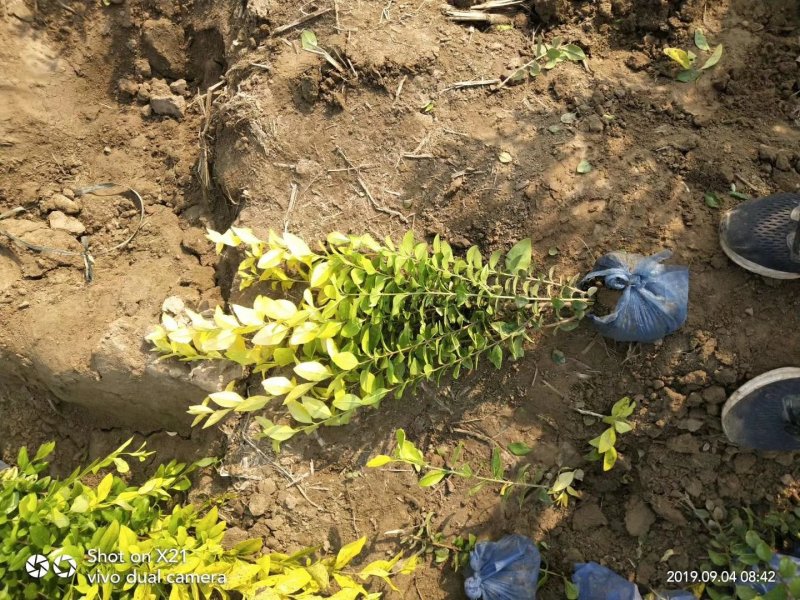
[(596, 582), (503, 570), (655, 297)]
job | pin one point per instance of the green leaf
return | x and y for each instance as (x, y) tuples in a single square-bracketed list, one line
[(563, 481), (607, 440), (519, 448), (496, 356), (752, 538), (497, 464), (711, 199), (347, 402), (431, 478), (713, 59), (688, 76), (700, 40), (570, 590), (277, 385), (583, 167), (308, 40), (519, 257), (679, 56), (573, 52), (764, 552)]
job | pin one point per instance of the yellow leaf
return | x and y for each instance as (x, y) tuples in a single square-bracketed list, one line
[(271, 334), (216, 417), (245, 234), (296, 246), (253, 403), (247, 316), (316, 408), (379, 461), (298, 390), (320, 274), (345, 361), (679, 56), (304, 333), (270, 259), (280, 310), (226, 399), (313, 371), (277, 385), (349, 552), (104, 487), (224, 321)]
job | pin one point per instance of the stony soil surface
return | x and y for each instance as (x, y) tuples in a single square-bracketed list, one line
[(127, 93)]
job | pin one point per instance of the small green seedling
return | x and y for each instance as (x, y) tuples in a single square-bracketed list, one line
[(603, 445), (308, 41), (523, 480), (423, 539), (687, 59), (545, 57), (711, 200)]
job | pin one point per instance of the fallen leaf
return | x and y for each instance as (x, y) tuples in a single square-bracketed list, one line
[(504, 157)]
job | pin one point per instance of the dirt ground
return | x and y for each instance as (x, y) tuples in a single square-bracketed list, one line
[(82, 86)]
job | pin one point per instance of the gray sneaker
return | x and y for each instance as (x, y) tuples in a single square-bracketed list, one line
[(763, 235), (764, 414)]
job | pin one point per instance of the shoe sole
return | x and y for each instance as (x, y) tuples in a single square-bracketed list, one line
[(755, 384), (754, 267)]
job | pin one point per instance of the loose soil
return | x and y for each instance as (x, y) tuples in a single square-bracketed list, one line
[(270, 153)]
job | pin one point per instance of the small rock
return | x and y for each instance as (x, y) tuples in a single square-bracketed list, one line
[(143, 69), (594, 124), (143, 92), (694, 399), (694, 380), (694, 488), (171, 106), (267, 487), (290, 502), (146, 111), (767, 153), (783, 161), (24, 304), (68, 193), (195, 242), (233, 536), (725, 376), (657, 384), (59, 221), (749, 311), (127, 87), (588, 516), (275, 523), (638, 517), (259, 504), (715, 394), (173, 305), (62, 203), (107, 150), (178, 87), (743, 463), (690, 425), (664, 509), (684, 444), (637, 61)]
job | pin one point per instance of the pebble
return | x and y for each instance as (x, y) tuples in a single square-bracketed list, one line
[(748, 311), (171, 106), (715, 394), (24, 304), (178, 87), (638, 517), (588, 516), (107, 150), (173, 305), (59, 221), (63, 203)]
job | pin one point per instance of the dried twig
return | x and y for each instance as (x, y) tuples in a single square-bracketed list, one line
[(458, 85), (747, 183), (378, 207), (477, 16), (301, 20)]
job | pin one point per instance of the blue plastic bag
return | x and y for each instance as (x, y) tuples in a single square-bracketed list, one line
[(503, 570), (596, 582), (655, 297), (675, 595)]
